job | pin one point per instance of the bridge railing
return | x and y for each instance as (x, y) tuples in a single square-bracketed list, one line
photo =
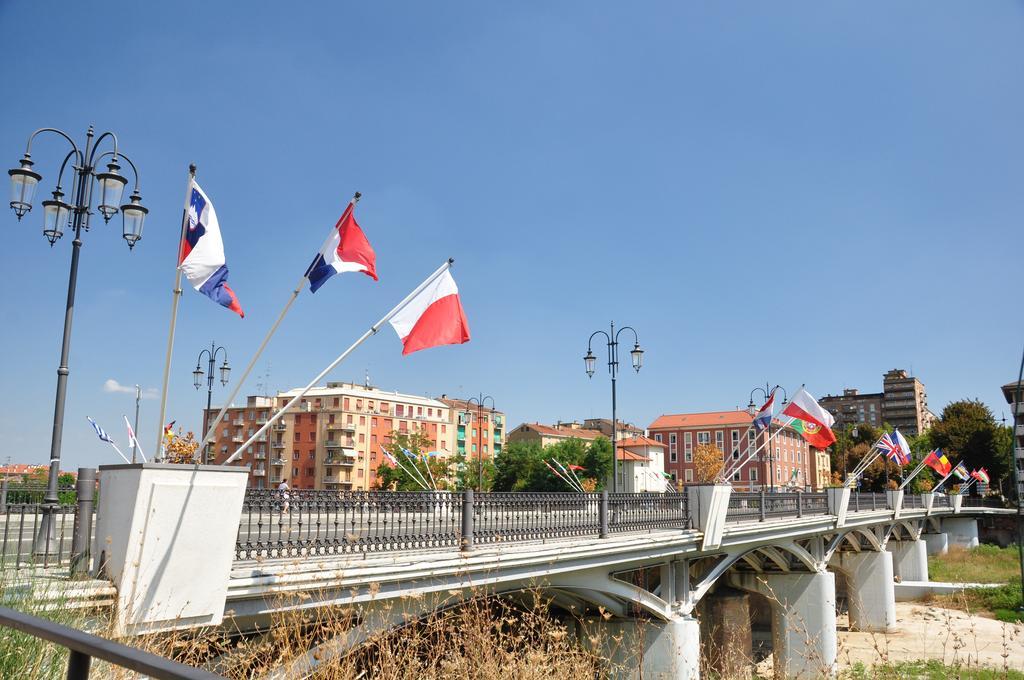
[(983, 502), (642, 512), (912, 501), (868, 501), (941, 501), (21, 516), (512, 516), (761, 505)]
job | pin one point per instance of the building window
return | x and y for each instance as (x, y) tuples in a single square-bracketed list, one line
[(703, 437), (720, 440), (736, 476), (688, 447), (735, 443), (688, 475), (673, 453), (335, 403), (753, 474), (657, 437)]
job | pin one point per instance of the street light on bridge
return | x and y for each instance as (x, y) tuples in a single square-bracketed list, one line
[(58, 214), (197, 380), (752, 410), (481, 401), (590, 360)]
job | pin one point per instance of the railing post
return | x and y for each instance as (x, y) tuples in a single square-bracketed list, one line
[(3, 495), (86, 490), (761, 504), (78, 665), (799, 503), (602, 514), (467, 520)]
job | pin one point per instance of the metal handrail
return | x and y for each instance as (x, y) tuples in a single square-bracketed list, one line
[(84, 647)]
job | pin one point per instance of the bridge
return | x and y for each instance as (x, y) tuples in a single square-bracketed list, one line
[(675, 561)]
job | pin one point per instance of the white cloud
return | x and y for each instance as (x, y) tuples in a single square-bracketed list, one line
[(112, 385)]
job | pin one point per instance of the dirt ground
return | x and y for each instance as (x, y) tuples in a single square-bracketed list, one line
[(928, 632)]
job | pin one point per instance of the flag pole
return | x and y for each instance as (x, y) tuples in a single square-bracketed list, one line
[(943, 480), (426, 462), (399, 464), (920, 466), (123, 457), (568, 474), (341, 357), (175, 297), (558, 474), (750, 456), (212, 428)]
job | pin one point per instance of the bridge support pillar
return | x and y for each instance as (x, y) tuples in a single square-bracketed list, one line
[(871, 593), (655, 649), (937, 543), (804, 639), (962, 531), (726, 632), (909, 559)]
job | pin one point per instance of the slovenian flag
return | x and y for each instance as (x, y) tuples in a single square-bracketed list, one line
[(201, 255), (434, 317), (817, 421), (345, 250), (764, 417)]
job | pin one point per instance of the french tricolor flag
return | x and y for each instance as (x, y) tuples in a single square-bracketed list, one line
[(201, 255), (434, 317), (345, 250)]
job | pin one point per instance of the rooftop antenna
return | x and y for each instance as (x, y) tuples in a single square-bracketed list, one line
[(366, 381)]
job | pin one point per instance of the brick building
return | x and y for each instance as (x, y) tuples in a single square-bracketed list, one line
[(546, 435), (902, 403), (331, 439), (787, 461), (477, 430)]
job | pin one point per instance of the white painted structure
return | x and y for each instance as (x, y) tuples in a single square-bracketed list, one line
[(165, 537)]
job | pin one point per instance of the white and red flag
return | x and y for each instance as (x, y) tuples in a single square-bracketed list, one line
[(345, 250), (805, 408), (434, 317)]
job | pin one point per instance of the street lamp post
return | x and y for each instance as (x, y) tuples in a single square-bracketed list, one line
[(637, 355), (58, 215), (138, 397), (752, 410), (197, 380), (481, 401)]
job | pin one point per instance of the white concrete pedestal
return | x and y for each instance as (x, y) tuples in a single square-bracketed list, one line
[(909, 560), (962, 531), (895, 499), (838, 503), (871, 594), (165, 537), (709, 504)]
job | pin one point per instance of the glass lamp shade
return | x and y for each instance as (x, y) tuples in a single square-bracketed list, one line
[(225, 371), (197, 377), (638, 357), (112, 186), (590, 360), (55, 216), (134, 215), (24, 182), (752, 408)]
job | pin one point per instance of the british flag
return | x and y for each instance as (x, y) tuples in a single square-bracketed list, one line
[(894, 449)]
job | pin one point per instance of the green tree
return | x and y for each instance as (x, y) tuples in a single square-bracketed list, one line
[(967, 431), (598, 462), (515, 466), (404, 477), (521, 466)]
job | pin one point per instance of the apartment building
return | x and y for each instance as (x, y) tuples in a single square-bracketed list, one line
[(1017, 415), (787, 460), (902, 403), (331, 439), (479, 432)]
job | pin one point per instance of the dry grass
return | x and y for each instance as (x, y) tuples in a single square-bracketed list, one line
[(984, 564)]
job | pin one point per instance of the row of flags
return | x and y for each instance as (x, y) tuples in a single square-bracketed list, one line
[(434, 317)]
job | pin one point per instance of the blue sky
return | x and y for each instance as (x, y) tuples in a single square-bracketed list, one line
[(795, 192)]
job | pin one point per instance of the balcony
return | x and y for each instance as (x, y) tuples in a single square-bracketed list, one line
[(259, 473), (280, 427), (343, 427), (275, 479), (277, 462), (278, 445), (237, 439), (343, 461), (259, 456)]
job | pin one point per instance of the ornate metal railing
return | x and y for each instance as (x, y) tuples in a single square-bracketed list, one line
[(298, 523), (982, 502), (868, 501), (499, 516), (643, 512), (912, 501), (760, 505), (306, 522), (941, 501)]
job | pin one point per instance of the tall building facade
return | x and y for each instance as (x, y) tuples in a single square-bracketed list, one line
[(479, 432), (1017, 411), (331, 439), (902, 403), (787, 460), (546, 435)]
